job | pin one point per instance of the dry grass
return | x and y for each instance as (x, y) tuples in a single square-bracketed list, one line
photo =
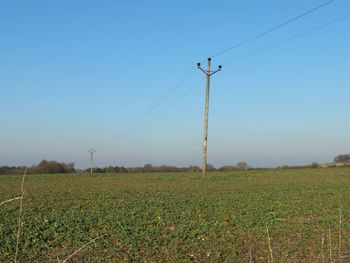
[(19, 224), (322, 247), (81, 248), (330, 245), (339, 237), (319, 255), (270, 257), (250, 254), (10, 200)]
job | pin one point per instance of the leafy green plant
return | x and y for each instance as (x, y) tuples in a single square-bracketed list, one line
[(178, 217)]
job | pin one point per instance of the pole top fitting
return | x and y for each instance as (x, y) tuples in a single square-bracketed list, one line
[(209, 59), (198, 64), (220, 67)]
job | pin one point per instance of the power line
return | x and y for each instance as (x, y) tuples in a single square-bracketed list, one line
[(190, 72), (131, 127), (165, 110), (288, 39), (186, 76), (273, 28), (240, 58)]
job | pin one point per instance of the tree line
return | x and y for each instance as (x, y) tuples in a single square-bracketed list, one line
[(54, 167), (149, 168), (342, 158), (44, 167)]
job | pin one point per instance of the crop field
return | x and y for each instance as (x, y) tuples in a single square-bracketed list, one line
[(292, 215)]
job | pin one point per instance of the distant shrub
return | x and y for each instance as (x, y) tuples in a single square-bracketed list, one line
[(115, 169), (210, 168), (52, 167), (227, 168), (12, 169), (193, 169), (314, 165), (44, 167), (342, 158), (242, 166)]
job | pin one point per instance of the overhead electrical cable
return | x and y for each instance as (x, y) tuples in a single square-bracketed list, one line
[(288, 39), (186, 77), (241, 58), (190, 72), (180, 98), (273, 28)]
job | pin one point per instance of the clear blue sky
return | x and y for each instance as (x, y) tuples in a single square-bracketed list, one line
[(76, 74)]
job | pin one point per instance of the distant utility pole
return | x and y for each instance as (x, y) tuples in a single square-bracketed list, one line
[(91, 151), (208, 73)]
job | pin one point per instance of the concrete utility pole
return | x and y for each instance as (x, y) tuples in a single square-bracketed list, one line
[(208, 73), (91, 151)]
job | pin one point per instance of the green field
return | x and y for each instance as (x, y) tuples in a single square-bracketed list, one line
[(179, 217)]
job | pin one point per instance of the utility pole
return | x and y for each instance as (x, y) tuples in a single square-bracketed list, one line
[(91, 151), (208, 74)]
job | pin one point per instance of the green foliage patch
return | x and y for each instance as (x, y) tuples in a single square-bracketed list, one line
[(178, 217)]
